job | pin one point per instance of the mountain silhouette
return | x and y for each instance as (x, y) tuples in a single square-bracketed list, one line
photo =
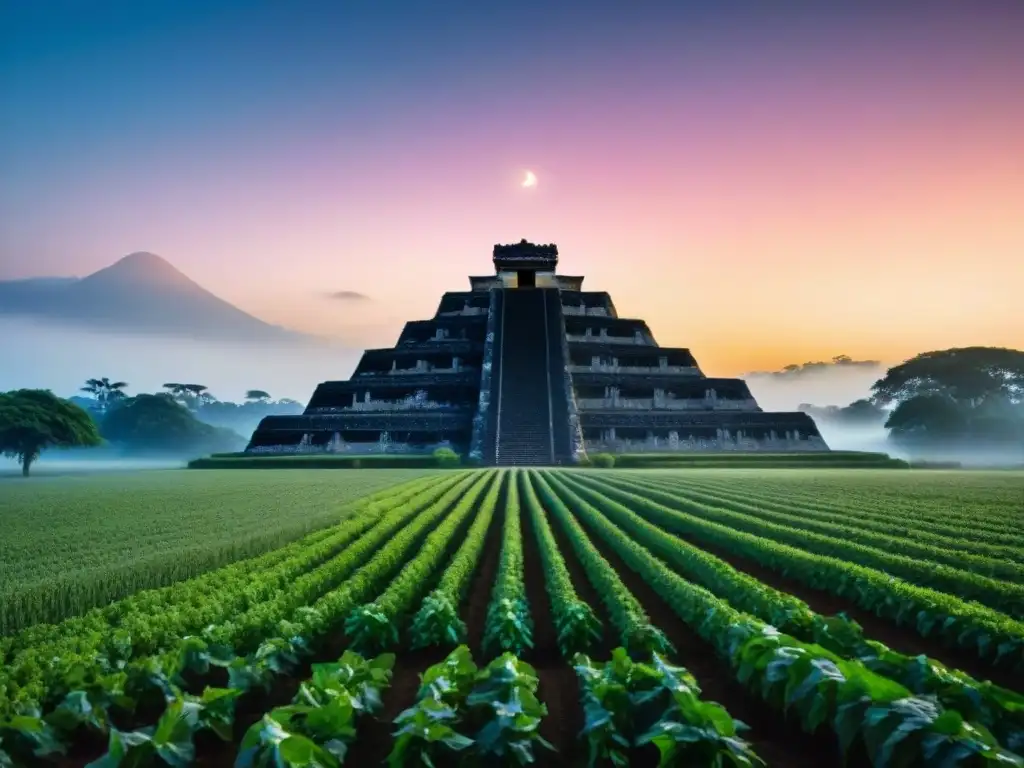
[(140, 294)]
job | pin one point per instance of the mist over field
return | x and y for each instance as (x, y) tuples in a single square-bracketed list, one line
[(839, 381), (839, 384), (45, 356), (61, 358), (60, 464), (823, 384)]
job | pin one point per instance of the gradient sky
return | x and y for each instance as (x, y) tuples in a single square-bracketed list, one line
[(765, 183)]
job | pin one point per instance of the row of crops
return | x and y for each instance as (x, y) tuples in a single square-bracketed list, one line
[(72, 543), (487, 587)]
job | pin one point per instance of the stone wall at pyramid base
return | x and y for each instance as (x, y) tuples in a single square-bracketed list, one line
[(416, 431), (617, 431), (725, 443), (420, 425), (616, 440), (384, 446)]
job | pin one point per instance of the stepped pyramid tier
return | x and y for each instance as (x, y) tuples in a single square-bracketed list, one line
[(527, 368)]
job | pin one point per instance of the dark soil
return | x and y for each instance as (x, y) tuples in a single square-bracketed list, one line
[(375, 739), (211, 751), (376, 735), (903, 639), (584, 590), (483, 580), (778, 741), (559, 689)]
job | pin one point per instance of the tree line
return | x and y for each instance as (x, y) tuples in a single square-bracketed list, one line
[(962, 399), (184, 420), (193, 396)]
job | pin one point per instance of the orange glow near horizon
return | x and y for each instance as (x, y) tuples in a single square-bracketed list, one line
[(762, 188), (780, 271)]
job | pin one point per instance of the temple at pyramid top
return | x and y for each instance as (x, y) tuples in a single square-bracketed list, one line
[(525, 256), (526, 368), (525, 265)]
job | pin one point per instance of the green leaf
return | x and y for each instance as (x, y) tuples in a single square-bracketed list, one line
[(369, 629), (300, 752)]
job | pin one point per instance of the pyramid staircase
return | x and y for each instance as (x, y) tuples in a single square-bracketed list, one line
[(532, 414)]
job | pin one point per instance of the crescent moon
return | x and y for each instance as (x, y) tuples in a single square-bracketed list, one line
[(530, 180)]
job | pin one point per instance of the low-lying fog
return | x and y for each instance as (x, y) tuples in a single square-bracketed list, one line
[(53, 464), (823, 386), (842, 383), (61, 359)]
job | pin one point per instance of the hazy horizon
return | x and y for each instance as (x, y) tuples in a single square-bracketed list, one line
[(61, 358)]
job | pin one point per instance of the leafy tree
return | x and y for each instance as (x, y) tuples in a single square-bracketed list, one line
[(970, 395), (926, 417), (176, 390), (862, 412), (200, 393), (257, 395), (190, 395), (105, 392), (158, 423), (968, 375), (33, 420)]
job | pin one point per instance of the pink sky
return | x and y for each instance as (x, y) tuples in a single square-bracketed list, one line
[(763, 199)]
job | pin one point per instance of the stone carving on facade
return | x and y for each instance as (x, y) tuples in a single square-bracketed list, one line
[(793, 442), (356, 449), (578, 449), (526, 251), (421, 367), (480, 419)]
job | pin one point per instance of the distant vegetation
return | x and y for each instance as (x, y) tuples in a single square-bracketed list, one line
[(35, 420), (105, 393), (954, 402), (942, 405), (859, 413), (788, 460), (185, 420), (244, 417), (603, 460), (971, 397), (157, 424), (798, 370), (442, 458)]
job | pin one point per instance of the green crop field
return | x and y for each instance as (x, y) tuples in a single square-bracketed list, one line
[(71, 543), (719, 617)]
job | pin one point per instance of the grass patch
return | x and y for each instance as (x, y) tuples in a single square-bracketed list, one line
[(72, 543)]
